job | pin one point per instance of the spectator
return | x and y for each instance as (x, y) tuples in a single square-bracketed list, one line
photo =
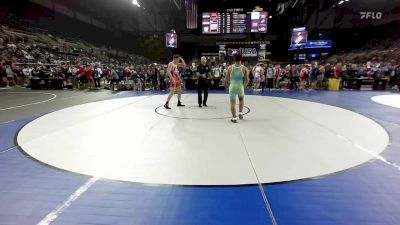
[(304, 76), (3, 74), (81, 76), (27, 71), (278, 74), (97, 73), (270, 77), (114, 78), (258, 70), (10, 76), (338, 71), (320, 77), (72, 70), (162, 77), (89, 75), (314, 75), (216, 76)]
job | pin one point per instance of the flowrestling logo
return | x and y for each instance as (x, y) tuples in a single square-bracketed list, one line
[(371, 15)]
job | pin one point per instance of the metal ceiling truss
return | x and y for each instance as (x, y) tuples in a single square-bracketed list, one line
[(178, 3)]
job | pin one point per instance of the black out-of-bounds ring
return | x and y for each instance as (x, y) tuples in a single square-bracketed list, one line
[(246, 111)]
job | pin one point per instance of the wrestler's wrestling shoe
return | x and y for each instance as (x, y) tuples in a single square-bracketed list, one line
[(166, 106), (241, 116)]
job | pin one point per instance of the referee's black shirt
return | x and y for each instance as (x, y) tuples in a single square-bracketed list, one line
[(203, 69)]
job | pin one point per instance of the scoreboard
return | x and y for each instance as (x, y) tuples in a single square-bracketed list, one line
[(234, 23)]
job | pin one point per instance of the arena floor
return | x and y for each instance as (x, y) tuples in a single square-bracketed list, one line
[(298, 158)]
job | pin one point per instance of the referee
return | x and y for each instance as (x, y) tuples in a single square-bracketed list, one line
[(204, 75)]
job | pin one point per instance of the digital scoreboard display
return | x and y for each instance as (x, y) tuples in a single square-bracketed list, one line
[(234, 23)]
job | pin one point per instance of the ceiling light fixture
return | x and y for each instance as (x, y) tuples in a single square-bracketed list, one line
[(136, 3)]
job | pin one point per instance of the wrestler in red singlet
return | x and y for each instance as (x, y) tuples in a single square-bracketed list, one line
[(175, 80)]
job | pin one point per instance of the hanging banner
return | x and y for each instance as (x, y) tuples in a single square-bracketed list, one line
[(262, 52), (171, 40), (249, 52), (222, 52), (246, 52), (191, 13), (233, 51)]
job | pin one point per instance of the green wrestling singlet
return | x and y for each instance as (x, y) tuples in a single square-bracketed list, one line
[(236, 88)]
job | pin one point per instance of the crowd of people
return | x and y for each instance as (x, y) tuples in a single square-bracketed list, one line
[(312, 75), (316, 75), (27, 54), (126, 76)]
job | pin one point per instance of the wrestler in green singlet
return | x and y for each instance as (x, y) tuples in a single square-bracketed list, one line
[(238, 76)]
